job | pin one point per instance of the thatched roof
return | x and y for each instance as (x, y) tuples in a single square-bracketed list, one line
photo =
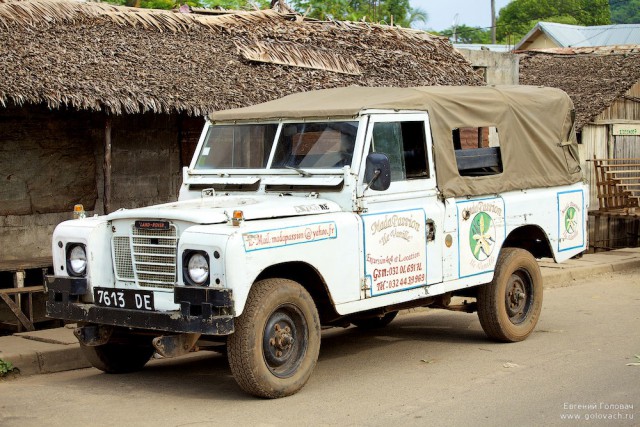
[(103, 57), (593, 77)]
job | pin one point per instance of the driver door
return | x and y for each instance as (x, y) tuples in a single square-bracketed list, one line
[(402, 245)]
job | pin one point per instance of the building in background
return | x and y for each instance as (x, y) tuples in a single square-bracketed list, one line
[(547, 35)]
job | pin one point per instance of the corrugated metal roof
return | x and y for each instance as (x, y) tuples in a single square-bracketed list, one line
[(578, 36)]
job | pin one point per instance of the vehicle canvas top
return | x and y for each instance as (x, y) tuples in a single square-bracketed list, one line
[(537, 138)]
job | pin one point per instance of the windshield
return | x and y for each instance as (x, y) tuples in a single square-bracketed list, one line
[(300, 145), (237, 147), (315, 145)]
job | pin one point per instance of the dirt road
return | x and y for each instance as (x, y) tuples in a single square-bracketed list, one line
[(434, 368)]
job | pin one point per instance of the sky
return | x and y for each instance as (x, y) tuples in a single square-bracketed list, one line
[(474, 13)]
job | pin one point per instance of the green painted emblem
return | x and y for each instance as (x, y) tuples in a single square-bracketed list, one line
[(482, 236), (570, 222)]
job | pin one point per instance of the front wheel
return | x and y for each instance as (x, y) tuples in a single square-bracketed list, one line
[(276, 341), (509, 307)]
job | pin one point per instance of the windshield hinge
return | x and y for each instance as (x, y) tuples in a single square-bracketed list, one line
[(365, 287)]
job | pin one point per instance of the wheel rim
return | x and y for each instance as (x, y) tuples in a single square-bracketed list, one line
[(284, 341), (519, 296)]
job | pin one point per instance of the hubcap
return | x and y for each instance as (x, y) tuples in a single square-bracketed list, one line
[(518, 296), (284, 341)]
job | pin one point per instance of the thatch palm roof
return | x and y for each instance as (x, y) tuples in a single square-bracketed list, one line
[(103, 57), (593, 77)]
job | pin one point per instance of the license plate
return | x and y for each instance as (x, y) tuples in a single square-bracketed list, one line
[(124, 298)]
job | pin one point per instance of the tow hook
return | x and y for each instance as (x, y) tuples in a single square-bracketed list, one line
[(93, 335), (175, 345)]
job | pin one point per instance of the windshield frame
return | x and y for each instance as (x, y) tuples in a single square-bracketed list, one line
[(268, 169)]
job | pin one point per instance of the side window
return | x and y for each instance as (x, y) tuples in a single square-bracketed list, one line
[(477, 150), (404, 143)]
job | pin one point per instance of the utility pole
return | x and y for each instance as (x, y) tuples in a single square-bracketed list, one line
[(493, 21)]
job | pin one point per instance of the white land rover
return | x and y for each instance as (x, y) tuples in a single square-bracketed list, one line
[(331, 208)]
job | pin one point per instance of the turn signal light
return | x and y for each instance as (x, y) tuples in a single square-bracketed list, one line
[(237, 218), (78, 212)]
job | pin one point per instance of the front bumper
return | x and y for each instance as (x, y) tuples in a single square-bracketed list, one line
[(208, 311)]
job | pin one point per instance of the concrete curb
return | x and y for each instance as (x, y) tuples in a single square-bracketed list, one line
[(56, 350), (43, 352), (564, 276)]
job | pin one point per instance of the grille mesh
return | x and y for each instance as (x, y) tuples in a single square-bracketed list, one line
[(148, 257), (122, 258)]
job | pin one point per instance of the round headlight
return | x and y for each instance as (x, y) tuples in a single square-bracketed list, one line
[(198, 268), (77, 260)]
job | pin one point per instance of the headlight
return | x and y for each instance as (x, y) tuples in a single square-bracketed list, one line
[(197, 268), (76, 260)]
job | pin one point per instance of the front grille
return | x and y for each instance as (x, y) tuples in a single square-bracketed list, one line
[(147, 256)]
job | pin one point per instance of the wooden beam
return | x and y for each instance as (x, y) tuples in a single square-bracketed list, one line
[(28, 324), (25, 290), (107, 165)]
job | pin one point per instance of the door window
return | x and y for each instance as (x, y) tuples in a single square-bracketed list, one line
[(404, 144)]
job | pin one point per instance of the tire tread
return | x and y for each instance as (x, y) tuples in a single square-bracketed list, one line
[(489, 305)]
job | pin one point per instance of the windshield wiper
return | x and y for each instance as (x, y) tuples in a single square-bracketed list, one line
[(300, 171)]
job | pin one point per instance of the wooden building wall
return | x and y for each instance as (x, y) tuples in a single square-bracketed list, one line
[(53, 159), (598, 140), (597, 137)]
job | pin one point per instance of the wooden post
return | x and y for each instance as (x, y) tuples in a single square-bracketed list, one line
[(18, 282), (107, 165)]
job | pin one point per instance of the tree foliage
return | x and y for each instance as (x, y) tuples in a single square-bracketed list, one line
[(398, 12), (625, 12), (465, 34), (518, 17), (383, 11)]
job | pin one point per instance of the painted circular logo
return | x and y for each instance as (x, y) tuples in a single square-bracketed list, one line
[(570, 222), (482, 236)]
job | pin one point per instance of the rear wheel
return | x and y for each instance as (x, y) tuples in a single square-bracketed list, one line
[(509, 307), (276, 341), (119, 358)]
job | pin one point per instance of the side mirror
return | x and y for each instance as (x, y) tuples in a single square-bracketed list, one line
[(377, 172)]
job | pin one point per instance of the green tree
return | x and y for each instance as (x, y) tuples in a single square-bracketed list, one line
[(518, 17), (625, 12), (466, 34), (384, 11), (417, 15)]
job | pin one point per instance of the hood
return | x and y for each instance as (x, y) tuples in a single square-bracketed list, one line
[(218, 209)]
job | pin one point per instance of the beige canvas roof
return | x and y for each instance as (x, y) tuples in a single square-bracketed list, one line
[(535, 126)]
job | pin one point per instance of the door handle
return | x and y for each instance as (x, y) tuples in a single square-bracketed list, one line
[(431, 230)]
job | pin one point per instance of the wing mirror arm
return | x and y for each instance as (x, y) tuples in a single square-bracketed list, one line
[(376, 174)]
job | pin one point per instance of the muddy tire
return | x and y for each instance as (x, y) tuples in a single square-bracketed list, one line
[(276, 341), (119, 358), (374, 322), (509, 307)]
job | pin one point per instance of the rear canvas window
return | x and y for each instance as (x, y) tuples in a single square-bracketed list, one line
[(477, 150)]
